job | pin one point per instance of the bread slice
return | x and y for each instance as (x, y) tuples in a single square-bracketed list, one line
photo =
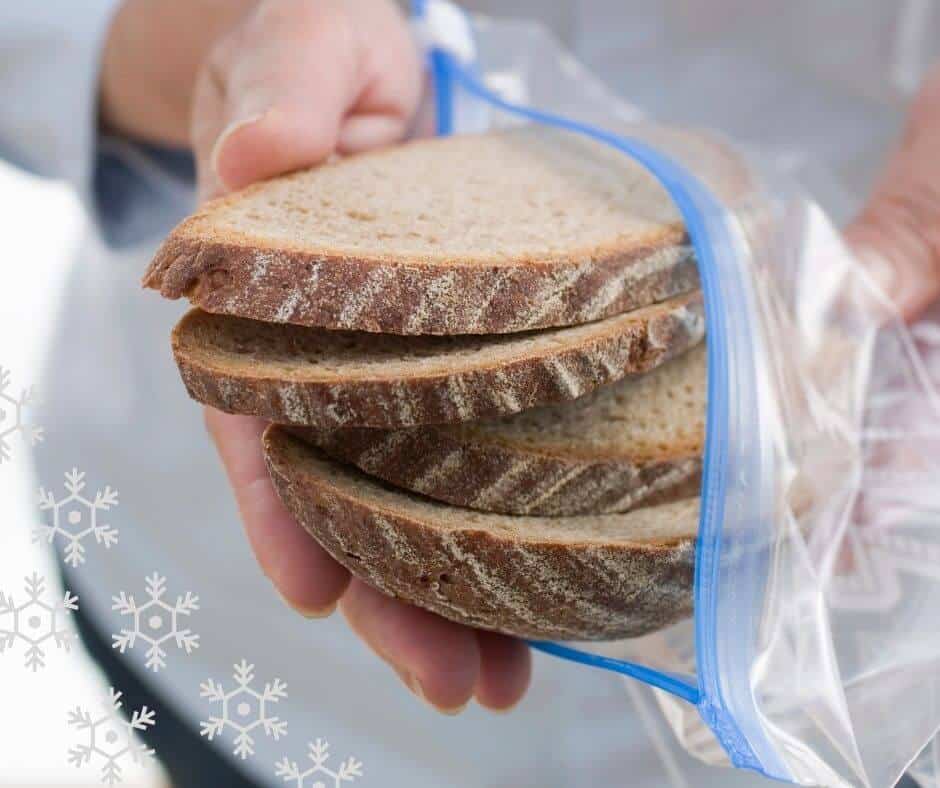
[(629, 444), (481, 234), (297, 375), (573, 578)]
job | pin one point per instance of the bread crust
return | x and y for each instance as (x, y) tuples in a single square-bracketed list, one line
[(461, 468), (230, 269), (511, 583), (570, 367), (376, 295)]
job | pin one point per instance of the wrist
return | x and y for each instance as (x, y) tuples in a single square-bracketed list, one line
[(151, 56)]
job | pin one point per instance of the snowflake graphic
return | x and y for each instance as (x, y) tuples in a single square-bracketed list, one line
[(244, 709), (156, 622), (111, 737), (12, 420), (75, 517), (34, 621), (319, 752)]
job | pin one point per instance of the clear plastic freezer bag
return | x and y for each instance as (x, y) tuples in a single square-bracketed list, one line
[(814, 653)]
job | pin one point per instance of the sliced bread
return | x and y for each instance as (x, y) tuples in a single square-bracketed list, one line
[(480, 234), (573, 578), (297, 375), (632, 443)]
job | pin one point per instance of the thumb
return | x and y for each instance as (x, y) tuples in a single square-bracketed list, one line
[(298, 81), (897, 235)]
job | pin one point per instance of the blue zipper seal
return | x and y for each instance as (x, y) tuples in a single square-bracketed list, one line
[(708, 231)]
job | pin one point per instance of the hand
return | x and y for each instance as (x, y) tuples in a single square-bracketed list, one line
[(443, 662), (898, 233), (282, 85)]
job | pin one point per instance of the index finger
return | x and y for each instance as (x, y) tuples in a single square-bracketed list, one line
[(304, 574)]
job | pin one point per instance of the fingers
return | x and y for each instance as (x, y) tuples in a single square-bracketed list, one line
[(279, 85), (303, 572), (444, 663), (298, 81), (437, 659), (364, 132), (898, 233), (505, 671), (289, 79)]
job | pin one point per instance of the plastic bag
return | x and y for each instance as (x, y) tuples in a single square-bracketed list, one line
[(813, 656)]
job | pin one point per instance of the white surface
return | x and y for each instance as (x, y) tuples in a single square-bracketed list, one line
[(41, 225)]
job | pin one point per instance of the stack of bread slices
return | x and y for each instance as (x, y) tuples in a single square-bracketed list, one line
[(482, 359)]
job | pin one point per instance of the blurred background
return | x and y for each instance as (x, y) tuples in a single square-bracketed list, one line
[(42, 224)]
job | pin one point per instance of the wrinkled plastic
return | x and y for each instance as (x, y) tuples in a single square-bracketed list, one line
[(814, 655)]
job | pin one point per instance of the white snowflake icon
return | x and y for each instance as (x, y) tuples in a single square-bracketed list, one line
[(319, 753), (34, 621), (156, 622), (244, 709), (13, 417), (111, 737), (75, 517)]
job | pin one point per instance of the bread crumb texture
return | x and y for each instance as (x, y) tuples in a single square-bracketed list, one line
[(494, 233)]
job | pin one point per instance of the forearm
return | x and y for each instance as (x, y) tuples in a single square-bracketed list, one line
[(151, 57)]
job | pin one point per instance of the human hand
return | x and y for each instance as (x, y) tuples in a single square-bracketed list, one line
[(287, 86), (898, 233)]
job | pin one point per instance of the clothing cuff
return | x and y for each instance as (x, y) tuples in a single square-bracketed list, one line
[(139, 191)]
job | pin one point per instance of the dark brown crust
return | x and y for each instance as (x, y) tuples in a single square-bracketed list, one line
[(527, 588), (387, 296), (626, 344), (457, 467)]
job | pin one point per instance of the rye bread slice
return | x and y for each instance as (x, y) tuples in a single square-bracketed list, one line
[(480, 234), (296, 375), (633, 443), (573, 578)]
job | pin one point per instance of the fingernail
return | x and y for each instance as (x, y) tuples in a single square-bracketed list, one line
[(309, 612), (454, 711), (505, 710), (224, 137), (363, 132)]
